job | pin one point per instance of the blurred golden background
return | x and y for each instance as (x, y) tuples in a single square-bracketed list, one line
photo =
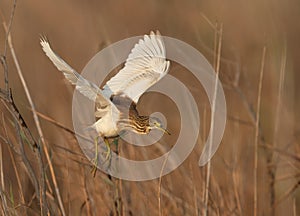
[(259, 44)]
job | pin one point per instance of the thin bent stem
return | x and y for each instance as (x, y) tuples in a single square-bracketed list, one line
[(159, 184), (257, 129), (42, 183), (218, 46)]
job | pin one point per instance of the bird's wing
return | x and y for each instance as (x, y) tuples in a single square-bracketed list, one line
[(145, 65), (85, 87)]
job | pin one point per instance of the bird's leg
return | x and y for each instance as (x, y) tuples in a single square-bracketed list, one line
[(95, 160), (116, 143), (108, 152)]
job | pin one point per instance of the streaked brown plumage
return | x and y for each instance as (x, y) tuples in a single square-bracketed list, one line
[(116, 101)]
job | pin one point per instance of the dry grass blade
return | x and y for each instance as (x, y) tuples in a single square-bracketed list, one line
[(214, 27), (4, 205), (27, 164), (194, 189), (14, 164), (4, 94), (204, 191), (38, 126), (58, 124), (3, 61), (7, 140), (272, 158), (159, 184), (12, 14), (218, 48), (280, 93), (3, 197), (87, 197), (235, 178), (283, 152), (257, 130), (42, 177), (288, 193), (223, 187), (294, 207)]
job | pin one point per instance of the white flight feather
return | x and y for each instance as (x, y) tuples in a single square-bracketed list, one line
[(145, 66), (108, 114)]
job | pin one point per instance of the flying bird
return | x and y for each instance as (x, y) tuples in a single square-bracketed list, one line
[(116, 101)]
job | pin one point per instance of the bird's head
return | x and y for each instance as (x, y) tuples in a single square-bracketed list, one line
[(155, 123)]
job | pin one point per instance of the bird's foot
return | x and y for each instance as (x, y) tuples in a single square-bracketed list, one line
[(94, 169), (107, 154)]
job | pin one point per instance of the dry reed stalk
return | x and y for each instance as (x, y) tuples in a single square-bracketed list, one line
[(87, 197), (26, 162), (176, 201), (294, 207), (257, 130), (287, 177), (288, 193), (4, 205), (12, 15), (159, 184), (194, 189), (2, 193), (14, 164), (44, 207), (236, 193), (60, 125), (280, 94), (220, 202), (218, 48), (39, 129), (283, 152), (204, 171), (271, 159), (120, 188), (213, 26)]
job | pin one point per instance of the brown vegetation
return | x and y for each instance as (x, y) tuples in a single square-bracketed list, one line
[(253, 46)]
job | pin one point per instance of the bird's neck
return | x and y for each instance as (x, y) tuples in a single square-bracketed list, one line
[(136, 123), (140, 124)]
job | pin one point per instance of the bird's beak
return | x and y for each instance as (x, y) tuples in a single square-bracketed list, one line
[(167, 132), (164, 130)]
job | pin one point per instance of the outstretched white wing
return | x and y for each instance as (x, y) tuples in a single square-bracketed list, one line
[(85, 87), (145, 65)]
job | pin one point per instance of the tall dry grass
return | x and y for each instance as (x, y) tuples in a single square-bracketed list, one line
[(254, 172)]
